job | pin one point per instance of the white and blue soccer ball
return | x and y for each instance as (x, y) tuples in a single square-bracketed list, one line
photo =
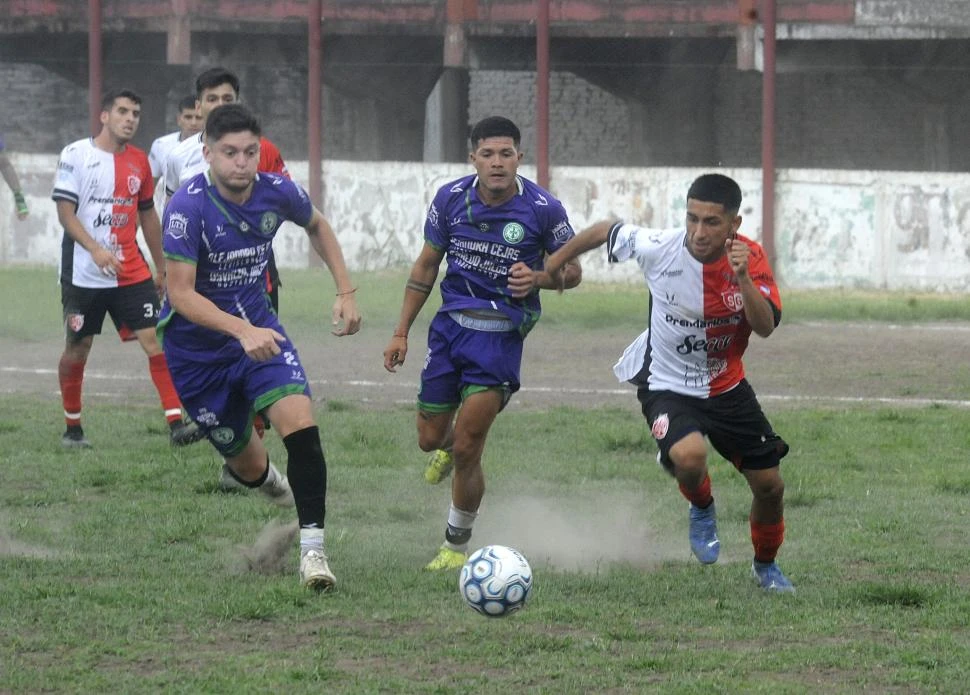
[(496, 580)]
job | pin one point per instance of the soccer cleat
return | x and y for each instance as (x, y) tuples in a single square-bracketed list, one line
[(315, 572), (278, 492), (770, 578), (185, 433), (74, 438), (447, 559), (439, 466), (703, 534)]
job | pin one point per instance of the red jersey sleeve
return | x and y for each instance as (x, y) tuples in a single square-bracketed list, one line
[(146, 193), (270, 158)]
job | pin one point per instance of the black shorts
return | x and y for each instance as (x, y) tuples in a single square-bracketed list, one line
[(733, 422), (131, 308)]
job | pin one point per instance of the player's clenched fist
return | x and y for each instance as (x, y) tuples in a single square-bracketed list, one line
[(395, 352)]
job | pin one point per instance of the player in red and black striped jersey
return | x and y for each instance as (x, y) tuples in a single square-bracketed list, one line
[(103, 191), (710, 288)]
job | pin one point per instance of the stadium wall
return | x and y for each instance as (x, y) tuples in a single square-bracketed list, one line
[(855, 229)]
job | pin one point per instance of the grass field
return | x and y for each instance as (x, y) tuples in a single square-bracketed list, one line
[(121, 568)]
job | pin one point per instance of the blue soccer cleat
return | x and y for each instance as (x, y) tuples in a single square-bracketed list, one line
[(770, 578), (703, 534)]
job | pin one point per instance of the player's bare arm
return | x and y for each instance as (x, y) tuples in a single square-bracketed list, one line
[(259, 343), (590, 238), (416, 292), (757, 309), (105, 259), (151, 229), (325, 243), (523, 279)]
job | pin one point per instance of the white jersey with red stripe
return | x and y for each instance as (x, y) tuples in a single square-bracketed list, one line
[(108, 190), (698, 331)]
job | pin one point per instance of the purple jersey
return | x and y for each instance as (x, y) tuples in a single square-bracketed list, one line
[(229, 245), (483, 242)]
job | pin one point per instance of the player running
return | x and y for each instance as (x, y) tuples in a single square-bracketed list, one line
[(709, 289), (227, 351), (495, 227)]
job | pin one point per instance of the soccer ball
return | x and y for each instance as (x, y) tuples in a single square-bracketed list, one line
[(495, 581)]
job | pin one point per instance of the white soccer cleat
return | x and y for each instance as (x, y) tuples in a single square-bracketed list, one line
[(315, 572), (277, 490)]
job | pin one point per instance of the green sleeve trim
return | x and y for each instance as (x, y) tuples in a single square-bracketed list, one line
[(181, 259)]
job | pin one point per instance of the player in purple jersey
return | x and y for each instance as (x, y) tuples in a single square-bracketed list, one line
[(228, 353), (495, 229)]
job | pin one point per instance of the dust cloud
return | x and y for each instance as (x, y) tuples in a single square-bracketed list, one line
[(584, 534)]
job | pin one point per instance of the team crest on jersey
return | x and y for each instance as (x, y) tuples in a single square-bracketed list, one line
[(75, 322), (134, 184), (178, 225), (660, 426), (513, 232), (732, 300), (268, 222), (222, 435)]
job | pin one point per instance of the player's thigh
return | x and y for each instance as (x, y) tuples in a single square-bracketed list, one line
[(291, 414), (674, 419), (84, 309), (135, 308), (478, 412), (741, 433)]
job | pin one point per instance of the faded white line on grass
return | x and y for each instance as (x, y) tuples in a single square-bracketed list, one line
[(627, 392), (961, 327)]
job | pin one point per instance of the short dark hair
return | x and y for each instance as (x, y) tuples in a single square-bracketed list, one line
[(109, 98), (213, 77), (494, 127), (716, 188), (230, 118), (187, 102)]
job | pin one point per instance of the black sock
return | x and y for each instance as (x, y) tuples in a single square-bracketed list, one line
[(306, 469)]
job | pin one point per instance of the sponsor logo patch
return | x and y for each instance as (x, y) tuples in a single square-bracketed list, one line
[(660, 426), (178, 225), (433, 216)]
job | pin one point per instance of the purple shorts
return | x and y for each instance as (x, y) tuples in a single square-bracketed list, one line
[(221, 397), (461, 361)]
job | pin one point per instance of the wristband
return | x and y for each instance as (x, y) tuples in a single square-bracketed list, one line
[(341, 294)]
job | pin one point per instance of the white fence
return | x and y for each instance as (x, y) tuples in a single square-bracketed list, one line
[(858, 229)]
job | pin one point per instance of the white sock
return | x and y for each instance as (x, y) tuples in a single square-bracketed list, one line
[(461, 522), (311, 539), (273, 476)]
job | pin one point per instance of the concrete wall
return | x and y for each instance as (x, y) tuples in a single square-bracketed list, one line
[(855, 229)]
